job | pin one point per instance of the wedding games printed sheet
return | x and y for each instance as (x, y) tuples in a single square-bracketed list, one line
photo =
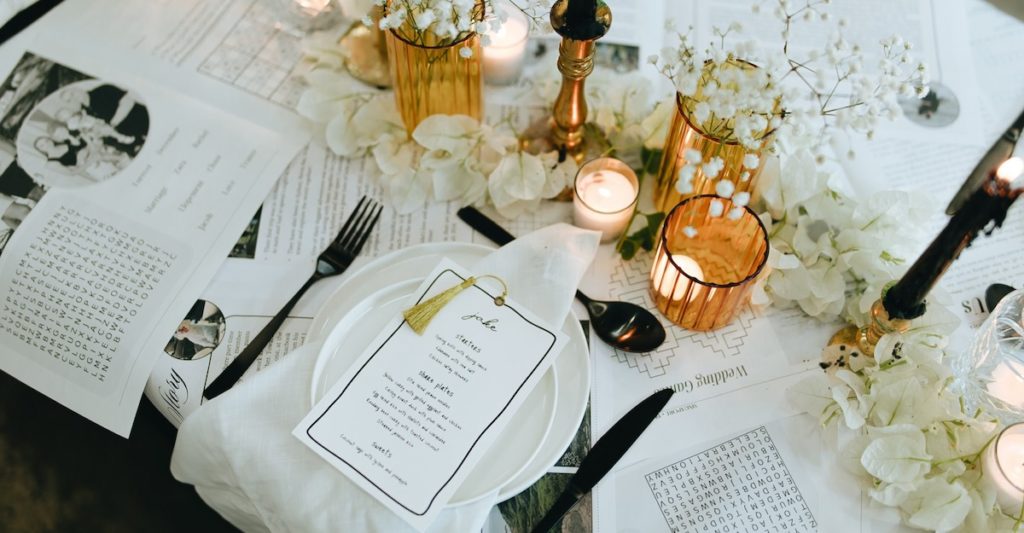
[(120, 200)]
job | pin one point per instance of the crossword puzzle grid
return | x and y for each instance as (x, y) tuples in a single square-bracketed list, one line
[(259, 57), (739, 485)]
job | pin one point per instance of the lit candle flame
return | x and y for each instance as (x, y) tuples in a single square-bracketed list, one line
[(1011, 169)]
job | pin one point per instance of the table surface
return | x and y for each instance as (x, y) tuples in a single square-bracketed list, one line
[(60, 472)]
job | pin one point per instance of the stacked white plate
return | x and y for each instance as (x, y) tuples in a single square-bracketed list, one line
[(539, 432)]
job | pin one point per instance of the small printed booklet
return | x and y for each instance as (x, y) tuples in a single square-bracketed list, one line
[(415, 413), (119, 200)]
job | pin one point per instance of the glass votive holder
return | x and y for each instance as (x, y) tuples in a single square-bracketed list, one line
[(505, 49), (309, 15), (705, 265), (990, 375), (1003, 469), (606, 192)]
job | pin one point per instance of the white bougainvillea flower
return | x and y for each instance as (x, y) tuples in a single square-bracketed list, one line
[(802, 181), (516, 184), (655, 126), (813, 395), (455, 134), (393, 154), (897, 455), (937, 505), (559, 175), (408, 190)]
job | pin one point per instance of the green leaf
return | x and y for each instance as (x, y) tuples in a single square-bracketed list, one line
[(644, 238), (651, 159), (628, 249)]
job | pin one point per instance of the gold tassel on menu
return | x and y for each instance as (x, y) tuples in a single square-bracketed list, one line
[(420, 315)]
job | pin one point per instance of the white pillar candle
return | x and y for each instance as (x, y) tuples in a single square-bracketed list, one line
[(1003, 468), (606, 192), (505, 49), (677, 290)]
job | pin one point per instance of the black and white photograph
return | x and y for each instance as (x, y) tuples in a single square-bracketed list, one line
[(61, 128), (617, 57), (938, 107), (199, 334)]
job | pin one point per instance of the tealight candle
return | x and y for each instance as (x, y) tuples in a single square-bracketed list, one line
[(1003, 468), (505, 49), (313, 7), (677, 290), (606, 194), (310, 15)]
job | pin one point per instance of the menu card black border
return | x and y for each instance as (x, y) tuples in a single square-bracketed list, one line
[(309, 429)]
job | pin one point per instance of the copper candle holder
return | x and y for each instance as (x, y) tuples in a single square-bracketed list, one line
[(701, 280)]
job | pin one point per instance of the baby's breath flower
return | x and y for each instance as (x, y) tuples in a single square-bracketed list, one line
[(725, 188), (716, 208)]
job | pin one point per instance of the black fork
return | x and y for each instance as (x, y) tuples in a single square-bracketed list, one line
[(333, 261)]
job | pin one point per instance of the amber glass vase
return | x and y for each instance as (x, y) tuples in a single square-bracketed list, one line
[(702, 279), (432, 79), (684, 134)]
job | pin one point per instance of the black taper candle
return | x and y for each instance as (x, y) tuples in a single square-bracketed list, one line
[(989, 203), (581, 21)]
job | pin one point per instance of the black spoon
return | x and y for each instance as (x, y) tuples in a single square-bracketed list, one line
[(621, 325), (994, 293)]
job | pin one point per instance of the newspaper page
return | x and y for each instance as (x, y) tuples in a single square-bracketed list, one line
[(121, 199)]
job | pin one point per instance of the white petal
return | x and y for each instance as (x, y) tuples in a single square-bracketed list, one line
[(896, 459)]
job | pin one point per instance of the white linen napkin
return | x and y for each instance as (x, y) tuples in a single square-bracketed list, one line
[(239, 452)]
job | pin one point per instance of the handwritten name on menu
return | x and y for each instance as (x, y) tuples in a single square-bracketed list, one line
[(414, 413)]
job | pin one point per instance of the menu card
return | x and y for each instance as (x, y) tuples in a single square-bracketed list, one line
[(415, 413)]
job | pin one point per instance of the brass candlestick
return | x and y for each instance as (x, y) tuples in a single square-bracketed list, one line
[(366, 54), (580, 23), (853, 347)]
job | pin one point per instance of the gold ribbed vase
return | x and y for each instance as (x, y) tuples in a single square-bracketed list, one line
[(684, 134), (432, 80)]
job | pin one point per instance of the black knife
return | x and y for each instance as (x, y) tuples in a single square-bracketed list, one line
[(485, 225), (1002, 150), (602, 457)]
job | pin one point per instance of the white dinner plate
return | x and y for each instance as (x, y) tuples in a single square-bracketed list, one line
[(571, 371)]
